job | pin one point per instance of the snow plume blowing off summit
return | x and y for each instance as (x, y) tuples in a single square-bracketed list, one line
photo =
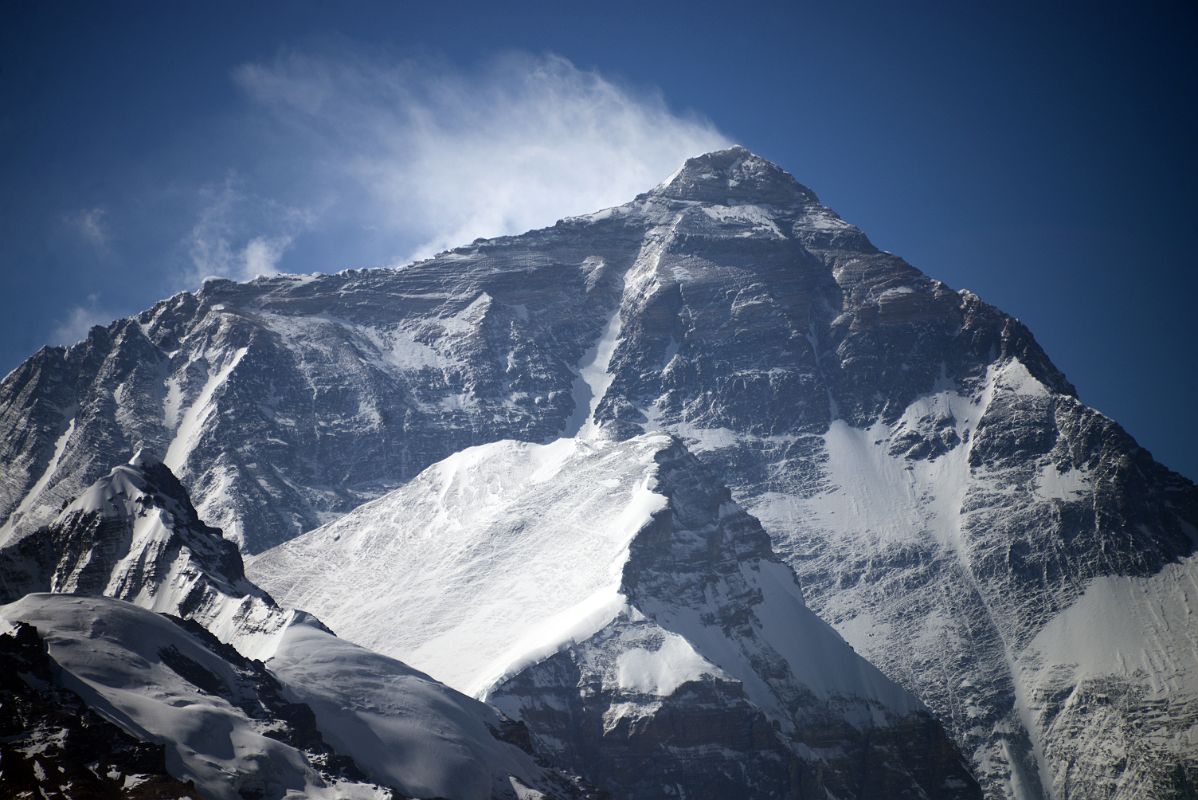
[(433, 156)]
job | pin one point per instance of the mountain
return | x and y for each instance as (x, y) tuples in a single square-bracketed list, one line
[(321, 717), (1011, 557), (613, 597)]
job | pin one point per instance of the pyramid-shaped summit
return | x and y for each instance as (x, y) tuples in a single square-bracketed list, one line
[(734, 176)]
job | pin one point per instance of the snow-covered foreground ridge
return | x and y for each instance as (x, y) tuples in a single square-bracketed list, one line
[(369, 726), (625, 560)]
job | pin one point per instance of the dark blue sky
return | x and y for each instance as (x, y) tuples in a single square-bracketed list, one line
[(1046, 158)]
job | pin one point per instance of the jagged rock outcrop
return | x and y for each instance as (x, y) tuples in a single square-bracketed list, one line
[(134, 535)]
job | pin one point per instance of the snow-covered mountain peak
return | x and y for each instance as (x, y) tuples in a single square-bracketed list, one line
[(134, 488), (912, 452), (734, 176)]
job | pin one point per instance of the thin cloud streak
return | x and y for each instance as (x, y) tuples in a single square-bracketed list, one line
[(90, 225), (241, 235), (430, 156), (79, 320)]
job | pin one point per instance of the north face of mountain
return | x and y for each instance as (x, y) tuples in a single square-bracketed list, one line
[(946, 500)]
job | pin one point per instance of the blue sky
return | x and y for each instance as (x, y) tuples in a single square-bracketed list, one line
[(1043, 157)]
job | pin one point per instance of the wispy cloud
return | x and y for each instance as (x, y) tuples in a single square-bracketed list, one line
[(79, 320), (89, 224), (240, 234), (433, 156)]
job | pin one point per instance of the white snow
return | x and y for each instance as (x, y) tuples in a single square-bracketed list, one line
[(172, 403), (110, 654), (403, 729), (822, 219), (1130, 626), (1014, 376), (191, 426), (237, 615), (594, 379), (754, 216), (401, 349), (493, 528), (594, 372), (879, 498), (1053, 484), (816, 656), (35, 491)]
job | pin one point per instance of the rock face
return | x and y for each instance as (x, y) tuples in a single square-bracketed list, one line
[(613, 597), (950, 506), (134, 535)]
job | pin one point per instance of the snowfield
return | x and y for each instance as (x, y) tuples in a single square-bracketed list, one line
[(485, 562)]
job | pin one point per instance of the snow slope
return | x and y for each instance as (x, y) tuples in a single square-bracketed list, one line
[(625, 559), (161, 683), (1113, 680), (502, 552), (404, 729)]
